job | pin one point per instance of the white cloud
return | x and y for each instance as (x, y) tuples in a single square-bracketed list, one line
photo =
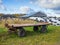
[(26, 9), (0, 1), (31, 2), (47, 6), (2, 6), (57, 11), (47, 3)]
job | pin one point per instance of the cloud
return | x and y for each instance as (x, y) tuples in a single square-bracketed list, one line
[(50, 7), (57, 12), (0, 1), (31, 2), (2, 6), (47, 3), (26, 9)]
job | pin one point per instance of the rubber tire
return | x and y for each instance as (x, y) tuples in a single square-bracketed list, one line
[(9, 31), (21, 32), (35, 28), (43, 29)]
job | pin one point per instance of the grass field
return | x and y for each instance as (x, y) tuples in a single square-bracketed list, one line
[(52, 37)]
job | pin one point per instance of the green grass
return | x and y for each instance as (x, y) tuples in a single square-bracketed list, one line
[(52, 37)]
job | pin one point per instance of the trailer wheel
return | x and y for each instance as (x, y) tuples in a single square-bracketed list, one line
[(35, 28), (21, 32), (9, 31), (43, 29)]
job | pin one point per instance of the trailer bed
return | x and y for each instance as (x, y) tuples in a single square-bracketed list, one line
[(22, 32), (25, 25)]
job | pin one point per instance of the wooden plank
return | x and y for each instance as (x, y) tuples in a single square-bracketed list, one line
[(25, 25)]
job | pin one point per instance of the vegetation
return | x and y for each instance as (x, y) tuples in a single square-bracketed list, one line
[(51, 37), (18, 15), (16, 21)]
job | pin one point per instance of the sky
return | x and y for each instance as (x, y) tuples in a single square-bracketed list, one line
[(17, 6), (50, 7)]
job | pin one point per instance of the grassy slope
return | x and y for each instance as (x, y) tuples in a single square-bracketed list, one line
[(52, 37)]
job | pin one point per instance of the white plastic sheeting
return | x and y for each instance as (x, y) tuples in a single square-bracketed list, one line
[(54, 21)]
